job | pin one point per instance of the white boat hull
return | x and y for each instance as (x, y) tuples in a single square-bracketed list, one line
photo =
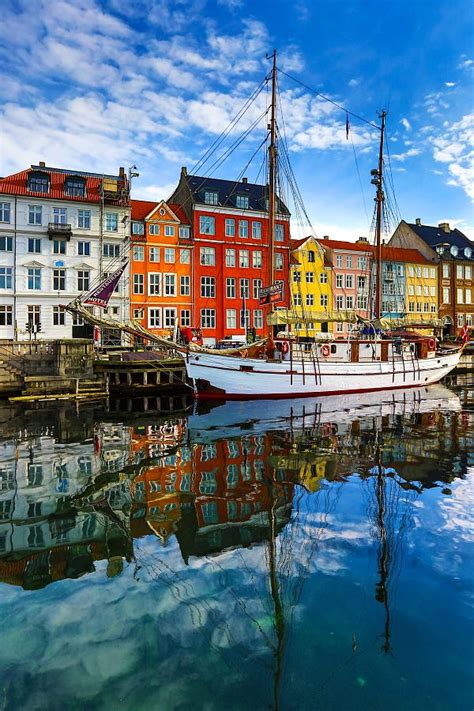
[(224, 377)]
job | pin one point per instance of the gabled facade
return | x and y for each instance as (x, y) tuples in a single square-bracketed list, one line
[(453, 253), (60, 232), (161, 267), (229, 223), (310, 284)]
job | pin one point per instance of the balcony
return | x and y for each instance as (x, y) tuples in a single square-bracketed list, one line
[(58, 229)]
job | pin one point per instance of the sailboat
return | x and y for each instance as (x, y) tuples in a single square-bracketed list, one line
[(355, 365)]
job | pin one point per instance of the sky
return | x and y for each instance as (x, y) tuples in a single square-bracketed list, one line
[(97, 84)]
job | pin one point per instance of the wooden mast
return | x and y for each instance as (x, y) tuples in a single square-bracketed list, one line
[(272, 158), (379, 199)]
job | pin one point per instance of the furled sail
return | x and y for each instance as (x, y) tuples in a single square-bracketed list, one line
[(293, 316), (100, 295)]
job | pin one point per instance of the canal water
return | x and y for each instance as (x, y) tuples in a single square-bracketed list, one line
[(304, 554)]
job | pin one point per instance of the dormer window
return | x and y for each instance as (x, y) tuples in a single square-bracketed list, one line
[(242, 201), (75, 187), (38, 183), (310, 256), (210, 197)]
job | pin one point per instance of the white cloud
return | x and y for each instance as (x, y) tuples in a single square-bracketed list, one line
[(406, 124), (455, 147), (450, 83), (353, 82), (410, 153)]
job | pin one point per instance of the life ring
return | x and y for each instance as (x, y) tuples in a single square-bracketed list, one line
[(325, 350), (431, 344), (285, 347)]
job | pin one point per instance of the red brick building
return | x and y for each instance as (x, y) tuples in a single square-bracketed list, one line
[(229, 222)]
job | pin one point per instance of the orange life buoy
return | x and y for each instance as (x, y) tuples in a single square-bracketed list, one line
[(431, 344), (285, 347), (325, 350)]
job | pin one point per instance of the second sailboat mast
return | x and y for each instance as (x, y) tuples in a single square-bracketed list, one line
[(272, 158)]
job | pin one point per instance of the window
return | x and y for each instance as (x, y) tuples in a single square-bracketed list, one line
[(445, 271), (244, 258), (459, 271), (208, 318), (426, 307), (138, 228), (411, 290), (185, 317), (426, 291), (154, 318), (460, 320), (59, 280), (339, 302), (468, 296), (230, 257), (243, 228), (207, 225), (257, 285), (425, 273), (153, 229), (229, 227), (362, 302), (6, 315), (34, 245), (258, 318), (185, 256), (349, 302), (242, 201), (154, 283), (170, 317), (309, 299), (231, 318), (84, 249), (297, 277), (411, 306), (244, 318), (185, 286), (59, 316), (279, 233), (6, 277), (84, 219), (432, 291), (278, 260), (111, 221), (207, 256), (257, 230), (349, 281), (349, 261), (323, 278), (257, 259), (418, 307), (411, 271), (184, 232), (297, 299), (469, 319), (362, 263), (323, 301), (309, 277), (230, 288), (170, 285), (38, 183), (83, 280), (211, 197), (154, 254), (459, 296), (59, 246), (6, 244), (244, 288), (339, 260), (75, 187), (467, 272), (138, 314), (446, 299), (138, 253), (138, 284), (310, 255), (169, 230), (59, 215), (4, 212), (339, 281), (208, 287), (339, 327), (34, 279), (170, 255), (34, 314), (418, 289), (111, 250)]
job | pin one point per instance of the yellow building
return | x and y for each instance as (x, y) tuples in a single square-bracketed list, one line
[(310, 286), (421, 298)]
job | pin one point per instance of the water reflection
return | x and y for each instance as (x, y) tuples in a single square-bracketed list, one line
[(264, 503)]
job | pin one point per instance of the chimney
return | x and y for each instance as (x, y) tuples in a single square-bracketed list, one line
[(122, 172), (362, 240), (326, 237), (444, 226), (418, 221), (244, 180), (42, 164), (184, 170)]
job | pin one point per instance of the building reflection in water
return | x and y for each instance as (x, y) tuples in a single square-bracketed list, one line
[(76, 489)]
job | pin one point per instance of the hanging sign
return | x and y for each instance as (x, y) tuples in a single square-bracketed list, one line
[(272, 294)]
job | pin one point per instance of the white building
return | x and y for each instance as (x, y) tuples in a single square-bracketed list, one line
[(61, 231)]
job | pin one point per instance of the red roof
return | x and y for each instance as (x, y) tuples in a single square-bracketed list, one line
[(179, 212), (389, 254), (17, 184), (142, 208)]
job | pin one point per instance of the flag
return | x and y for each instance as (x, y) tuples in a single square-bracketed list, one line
[(100, 296), (464, 335), (347, 126)]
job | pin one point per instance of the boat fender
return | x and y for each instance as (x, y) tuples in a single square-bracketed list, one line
[(285, 347), (325, 350), (431, 344)]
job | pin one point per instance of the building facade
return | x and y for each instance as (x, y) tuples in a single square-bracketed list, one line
[(161, 267), (453, 253), (310, 285), (61, 231), (231, 258)]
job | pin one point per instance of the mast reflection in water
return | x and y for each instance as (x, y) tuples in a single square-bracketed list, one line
[(299, 554)]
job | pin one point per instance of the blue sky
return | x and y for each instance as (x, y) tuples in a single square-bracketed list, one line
[(95, 84)]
